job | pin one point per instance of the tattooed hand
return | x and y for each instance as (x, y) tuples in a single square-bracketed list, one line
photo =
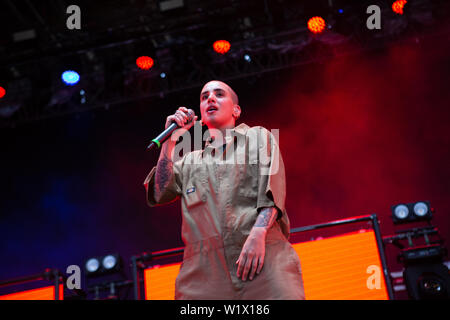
[(251, 259)]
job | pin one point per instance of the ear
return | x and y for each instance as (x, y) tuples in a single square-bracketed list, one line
[(236, 111)]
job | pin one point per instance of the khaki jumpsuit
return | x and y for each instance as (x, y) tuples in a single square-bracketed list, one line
[(220, 202)]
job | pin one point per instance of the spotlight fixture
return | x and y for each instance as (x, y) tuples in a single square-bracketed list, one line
[(316, 24), (109, 262), (411, 212), (221, 46), (2, 92), (425, 275), (98, 266), (92, 266), (145, 62), (398, 6), (420, 209), (401, 212), (70, 77)]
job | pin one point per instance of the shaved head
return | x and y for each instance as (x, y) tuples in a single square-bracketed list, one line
[(233, 94)]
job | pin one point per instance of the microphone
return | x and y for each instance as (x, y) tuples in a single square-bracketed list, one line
[(163, 136)]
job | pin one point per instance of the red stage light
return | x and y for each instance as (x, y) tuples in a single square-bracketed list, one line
[(316, 24), (144, 62), (221, 46), (398, 5), (2, 92)]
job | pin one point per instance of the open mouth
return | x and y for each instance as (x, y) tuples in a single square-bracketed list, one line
[(211, 109)]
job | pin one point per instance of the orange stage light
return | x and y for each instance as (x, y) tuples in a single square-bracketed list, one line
[(45, 293), (337, 268), (398, 6), (316, 24), (221, 46)]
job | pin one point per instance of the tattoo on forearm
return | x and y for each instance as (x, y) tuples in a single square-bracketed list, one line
[(164, 171), (266, 218)]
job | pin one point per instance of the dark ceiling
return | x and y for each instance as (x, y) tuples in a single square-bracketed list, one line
[(114, 33)]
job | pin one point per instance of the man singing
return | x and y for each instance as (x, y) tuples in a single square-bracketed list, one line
[(235, 226)]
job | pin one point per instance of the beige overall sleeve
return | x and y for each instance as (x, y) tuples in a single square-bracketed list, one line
[(272, 179), (173, 190)]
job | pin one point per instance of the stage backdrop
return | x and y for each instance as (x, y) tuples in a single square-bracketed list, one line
[(358, 134)]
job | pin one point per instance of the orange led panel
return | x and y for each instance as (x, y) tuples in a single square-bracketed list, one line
[(346, 267), (46, 293), (159, 282)]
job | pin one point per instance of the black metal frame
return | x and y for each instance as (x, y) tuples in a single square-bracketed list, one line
[(48, 274), (138, 261), (138, 264)]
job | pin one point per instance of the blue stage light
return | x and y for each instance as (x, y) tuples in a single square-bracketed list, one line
[(70, 77)]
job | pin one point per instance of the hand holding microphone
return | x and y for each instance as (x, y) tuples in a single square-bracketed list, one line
[(183, 119)]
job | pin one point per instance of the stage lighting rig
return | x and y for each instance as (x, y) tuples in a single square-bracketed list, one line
[(98, 266), (411, 212), (105, 276), (425, 274)]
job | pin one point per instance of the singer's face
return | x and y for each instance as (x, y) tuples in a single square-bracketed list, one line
[(217, 105)]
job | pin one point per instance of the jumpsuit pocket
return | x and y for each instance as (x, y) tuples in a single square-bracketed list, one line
[(248, 180), (192, 196)]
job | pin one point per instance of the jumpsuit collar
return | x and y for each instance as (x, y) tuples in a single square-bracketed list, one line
[(241, 129)]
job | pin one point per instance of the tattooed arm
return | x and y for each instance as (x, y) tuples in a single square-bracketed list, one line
[(251, 259), (266, 218), (164, 169)]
